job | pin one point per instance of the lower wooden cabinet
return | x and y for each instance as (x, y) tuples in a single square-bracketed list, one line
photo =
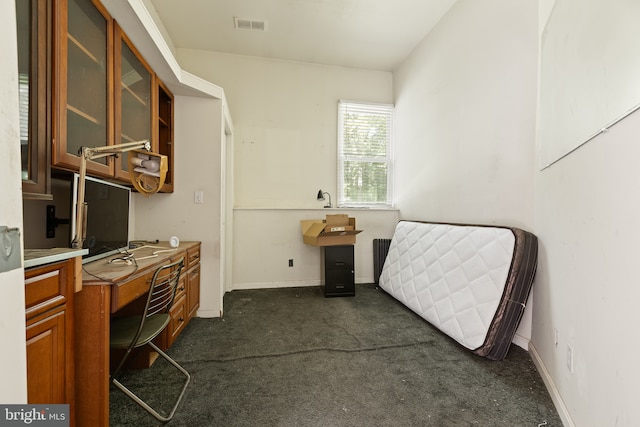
[(193, 287), (49, 292), (178, 321), (187, 299), (46, 352)]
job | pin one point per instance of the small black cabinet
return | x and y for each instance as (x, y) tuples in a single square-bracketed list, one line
[(339, 280)]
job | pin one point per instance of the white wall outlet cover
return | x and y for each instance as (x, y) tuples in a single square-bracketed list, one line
[(174, 242)]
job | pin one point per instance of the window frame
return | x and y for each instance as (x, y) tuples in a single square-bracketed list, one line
[(386, 110)]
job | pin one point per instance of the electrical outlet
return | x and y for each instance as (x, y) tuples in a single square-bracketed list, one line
[(291, 263), (570, 358)]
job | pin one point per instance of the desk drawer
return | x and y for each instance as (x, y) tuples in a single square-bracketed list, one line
[(182, 286), (124, 293), (178, 321), (193, 257), (45, 288)]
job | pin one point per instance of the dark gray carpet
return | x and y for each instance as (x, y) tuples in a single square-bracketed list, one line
[(290, 357)]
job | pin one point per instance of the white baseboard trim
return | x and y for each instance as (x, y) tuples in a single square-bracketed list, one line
[(521, 342), (292, 284), (563, 412), (273, 285), (208, 314)]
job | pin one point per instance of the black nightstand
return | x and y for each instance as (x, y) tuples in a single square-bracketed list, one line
[(339, 272)]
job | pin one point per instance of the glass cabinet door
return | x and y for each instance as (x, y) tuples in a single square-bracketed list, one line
[(84, 38), (133, 101), (33, 23)]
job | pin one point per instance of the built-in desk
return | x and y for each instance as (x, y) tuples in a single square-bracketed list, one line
[(109, 286)]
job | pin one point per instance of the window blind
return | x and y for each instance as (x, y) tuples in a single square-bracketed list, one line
[(23, 94), (364, 154)]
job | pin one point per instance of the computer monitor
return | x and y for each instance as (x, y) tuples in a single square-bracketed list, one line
[(107, 217)]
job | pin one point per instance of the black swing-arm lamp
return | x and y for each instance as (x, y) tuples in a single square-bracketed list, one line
[(321, 198)]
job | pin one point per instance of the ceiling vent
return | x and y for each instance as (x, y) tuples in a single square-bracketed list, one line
[(249, 24)]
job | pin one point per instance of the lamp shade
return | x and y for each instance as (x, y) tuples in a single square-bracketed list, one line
[(320, 195)]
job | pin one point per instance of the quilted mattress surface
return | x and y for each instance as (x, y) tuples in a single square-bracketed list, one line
[(459, 278)]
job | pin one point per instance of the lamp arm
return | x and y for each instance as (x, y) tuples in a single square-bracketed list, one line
[(329, 205), (92, 153)]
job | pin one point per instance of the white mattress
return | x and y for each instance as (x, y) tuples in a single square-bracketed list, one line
[(453, 276)]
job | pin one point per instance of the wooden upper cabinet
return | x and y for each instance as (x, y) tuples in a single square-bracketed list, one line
[(83, 84), (33, 22), (134, 98), (163, 141)]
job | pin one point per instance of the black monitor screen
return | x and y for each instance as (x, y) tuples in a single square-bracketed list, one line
[(107, 213)]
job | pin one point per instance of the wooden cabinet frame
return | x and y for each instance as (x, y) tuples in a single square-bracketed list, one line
[(120, 37), (49, 310), (61, 157), (163, 131), (62, 114), (37, 185)]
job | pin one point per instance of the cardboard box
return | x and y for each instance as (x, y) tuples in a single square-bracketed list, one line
[(333, 231), (333, 228), (338, 219)]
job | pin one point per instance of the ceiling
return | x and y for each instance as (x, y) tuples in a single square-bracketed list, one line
[(369, 34)]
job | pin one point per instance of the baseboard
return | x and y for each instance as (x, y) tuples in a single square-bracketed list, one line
[(563, 412), (272, 285), (520, 341), (208, 314), (292, 284)]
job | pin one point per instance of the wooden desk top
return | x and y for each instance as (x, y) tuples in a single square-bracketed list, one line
[(128, 280), (114, 270)]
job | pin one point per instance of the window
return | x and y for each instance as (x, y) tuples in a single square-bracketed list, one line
[(365, 154)]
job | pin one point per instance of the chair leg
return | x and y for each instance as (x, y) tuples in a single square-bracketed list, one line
[(142, 403)]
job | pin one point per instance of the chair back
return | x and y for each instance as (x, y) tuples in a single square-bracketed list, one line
[(150, 324), (163, 288)]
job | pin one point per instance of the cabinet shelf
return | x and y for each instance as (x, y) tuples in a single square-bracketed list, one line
[(83, 114), (80, 46), (133, 94)]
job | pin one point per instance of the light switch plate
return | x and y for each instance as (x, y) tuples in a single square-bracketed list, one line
[(198, 197), (10, 252)]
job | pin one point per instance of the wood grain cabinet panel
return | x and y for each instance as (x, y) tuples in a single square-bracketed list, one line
[(49, 296)]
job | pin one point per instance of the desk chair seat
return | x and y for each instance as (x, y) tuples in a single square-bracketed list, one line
[(137, 331)]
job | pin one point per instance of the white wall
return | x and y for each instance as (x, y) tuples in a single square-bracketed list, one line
[(285, 123), (13, 369), (265, 240), (197, 133), (465, 121), (586, 215), (465, 117)]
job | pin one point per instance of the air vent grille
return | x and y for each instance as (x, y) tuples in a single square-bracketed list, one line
[(249, 24)]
